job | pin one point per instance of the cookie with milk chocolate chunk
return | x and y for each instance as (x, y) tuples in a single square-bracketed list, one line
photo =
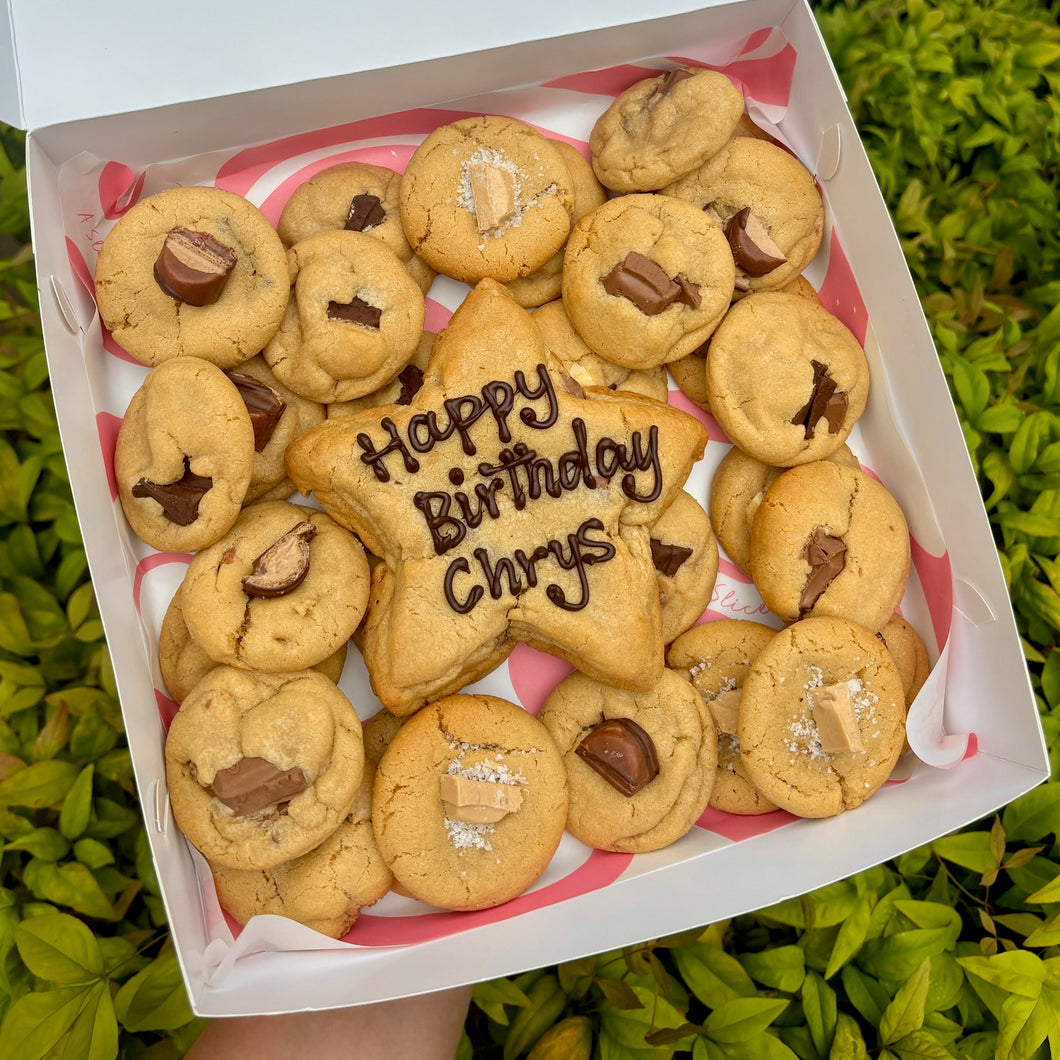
[(281, 591), (355, 197), (786, 380), (469, 803), (830, 540), (184, 664), (685, 555), (505, 508), (486, 197), (664, 127), (193, 272), (278, 415), (768, 204), (646, 279), (399, 391), (716, 657), (353, 322), (184, 456), (736, 491), (590, 369), (324, 889), (640, 765), (261, 767), (545, 283), (822, 717)]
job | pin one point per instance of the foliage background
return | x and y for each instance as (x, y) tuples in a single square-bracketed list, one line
[(951, 951)]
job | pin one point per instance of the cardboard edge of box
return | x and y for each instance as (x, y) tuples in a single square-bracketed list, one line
[(513, 945)]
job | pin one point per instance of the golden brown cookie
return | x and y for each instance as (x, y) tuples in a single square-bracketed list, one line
[(909, 653), (664, 127), (399, 391), (486, 196), (821, 720), (469, 803), (281, 591), (184, 456), (505, 509), (324, 889), (194, 272), (353, 322), (261, 768), (716, 657), (646, 279), (640, 765)]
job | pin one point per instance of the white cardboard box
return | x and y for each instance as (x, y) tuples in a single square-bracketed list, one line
[(75, 85)]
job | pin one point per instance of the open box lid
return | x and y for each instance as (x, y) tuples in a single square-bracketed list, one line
[(141, 61)]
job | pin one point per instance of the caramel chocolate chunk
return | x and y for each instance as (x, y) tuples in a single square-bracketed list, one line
[(837, 724), (254, 784), (282, 567), (193, 267), (411, 379), (492, 195), (825, 401), (753, 248), (668, 558), (725, 710), (478, 801), (827, 556), (366, 211), (643, 282), (622, 753), (180, 499), (689, 293), (669, 81), (264, 405), (356, 312)]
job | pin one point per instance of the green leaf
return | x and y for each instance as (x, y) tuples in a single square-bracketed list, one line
[(852, 933), (743, 1018), (783, 967), (712, 975), (93, 853), (761, 1047), (39, 786), (971, 850), (619, 993), (866, 994), (1017, 972), (627, 1027), (44, 843), (94, 1034), (72, 884), (1047, 894), (905, 1013), (155, 1000), (59, 949), (819, 1007), (77, 806), (1025, 1022), (848, 1043), (920, 1045), (37, 1022)]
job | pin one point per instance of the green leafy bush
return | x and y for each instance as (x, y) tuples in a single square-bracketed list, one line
[(951, 951)]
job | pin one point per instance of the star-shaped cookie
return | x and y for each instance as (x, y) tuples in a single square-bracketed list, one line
[(507, 504)]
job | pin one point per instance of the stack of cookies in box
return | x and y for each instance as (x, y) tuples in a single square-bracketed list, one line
[(516, 478)]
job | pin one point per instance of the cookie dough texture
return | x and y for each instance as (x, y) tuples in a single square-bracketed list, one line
[(749, 173), (184, 664), (845, 504), (716, 658), (677, 237), (292, 721), (909, 653), (662, 128), (736, 491), (686, 562), (325, 358), (324, 889), (760, 376), (323, 203), (450, 863), (679, 725), (779, 744), (438, 209), (295, 630), (590, 369), (152, 325), (399, 391), (544, 284), (186, 417)]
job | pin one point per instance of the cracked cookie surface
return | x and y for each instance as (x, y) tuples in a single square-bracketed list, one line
[(300, 725), (444, 860), (680, 728), (486, 197), (780, 743), (294, 629), (154, 326)]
